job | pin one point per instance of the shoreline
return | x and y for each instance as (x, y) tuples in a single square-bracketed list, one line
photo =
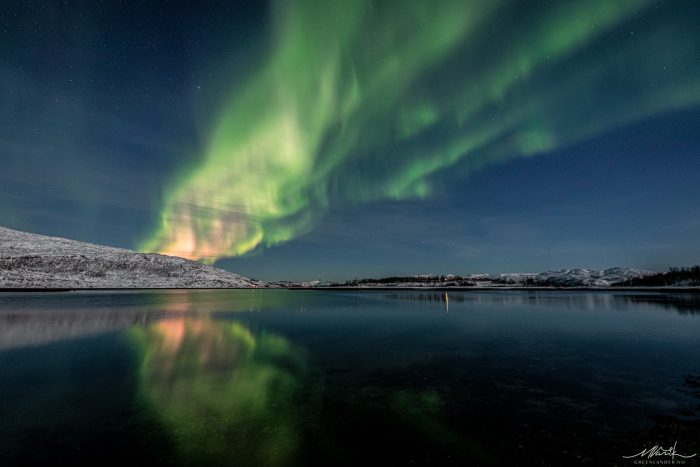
[(366, 289), (514, 288)]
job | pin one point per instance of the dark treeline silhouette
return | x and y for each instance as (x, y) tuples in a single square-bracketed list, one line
[(442, 280), (689, 276), (436, 280), (675, 277)]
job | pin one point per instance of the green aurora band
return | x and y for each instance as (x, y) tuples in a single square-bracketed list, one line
[(365, 100)]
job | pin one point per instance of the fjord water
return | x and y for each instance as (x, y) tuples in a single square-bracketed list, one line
[(277, 377)]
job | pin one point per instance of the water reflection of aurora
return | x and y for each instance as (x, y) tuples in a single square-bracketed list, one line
[(221, 391)]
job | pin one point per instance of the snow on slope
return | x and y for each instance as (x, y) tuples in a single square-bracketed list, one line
[(562, 278), (37, 261), (589, 277)]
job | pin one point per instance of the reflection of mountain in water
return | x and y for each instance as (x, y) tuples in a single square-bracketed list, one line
[(37, 319), (437, 297), (31, 328), (683, 303), (441, 298), (225, 394)]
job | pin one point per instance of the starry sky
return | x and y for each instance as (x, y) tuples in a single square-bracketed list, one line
[(336, 139)]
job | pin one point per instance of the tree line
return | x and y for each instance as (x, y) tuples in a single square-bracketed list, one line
[(684, 276)]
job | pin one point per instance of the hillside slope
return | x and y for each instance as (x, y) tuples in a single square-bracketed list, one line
[(37, 261)]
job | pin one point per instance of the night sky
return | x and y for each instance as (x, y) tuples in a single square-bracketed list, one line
[(332, 139)]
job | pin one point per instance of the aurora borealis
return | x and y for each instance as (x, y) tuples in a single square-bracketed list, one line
[(299, 111), (346, 81)]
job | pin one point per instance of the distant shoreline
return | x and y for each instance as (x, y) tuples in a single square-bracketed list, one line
[(366, 289), (514, 288), (127, 289)]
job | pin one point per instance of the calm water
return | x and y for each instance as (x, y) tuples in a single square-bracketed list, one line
[(344, 378)]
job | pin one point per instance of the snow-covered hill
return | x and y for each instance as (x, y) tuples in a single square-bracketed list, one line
[(560, 278), (589, 277), (37, 261)]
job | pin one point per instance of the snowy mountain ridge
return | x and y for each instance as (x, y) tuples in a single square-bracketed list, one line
[(590, 277), (36, 261), (580, 277)]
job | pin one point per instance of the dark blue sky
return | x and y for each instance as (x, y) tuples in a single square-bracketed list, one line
[(110, 112), (629, 198)]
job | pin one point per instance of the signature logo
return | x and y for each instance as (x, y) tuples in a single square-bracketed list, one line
[(647, 456)]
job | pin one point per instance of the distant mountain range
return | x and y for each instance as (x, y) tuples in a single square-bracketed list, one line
[(30, 261), (559, 278), (40, 262)]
